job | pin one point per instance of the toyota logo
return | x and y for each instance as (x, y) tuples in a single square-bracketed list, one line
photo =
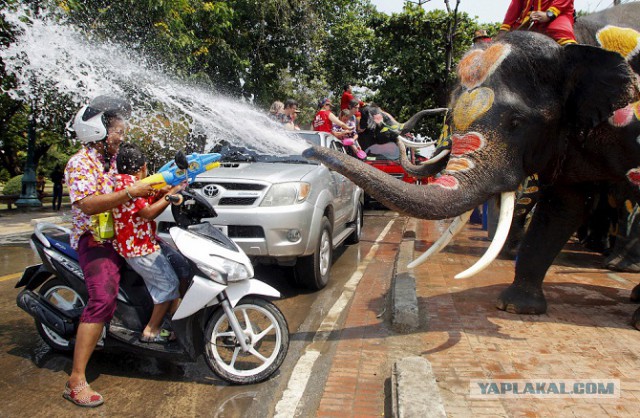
[(210, 190)]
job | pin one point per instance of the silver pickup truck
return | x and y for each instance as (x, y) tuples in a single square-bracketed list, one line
[(283, 209)]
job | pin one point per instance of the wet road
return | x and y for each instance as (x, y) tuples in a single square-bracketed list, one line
[(133, 385)]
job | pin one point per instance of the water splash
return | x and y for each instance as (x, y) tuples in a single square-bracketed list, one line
[(62, 56)]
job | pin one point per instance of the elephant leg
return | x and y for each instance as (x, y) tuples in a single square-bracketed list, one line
[(527, 197), (626, 251), (635, 294), (635, 320), (558, 214), (599, 223)]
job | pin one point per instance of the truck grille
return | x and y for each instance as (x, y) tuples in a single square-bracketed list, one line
[(237, 201), (231, 186), (245, 231)]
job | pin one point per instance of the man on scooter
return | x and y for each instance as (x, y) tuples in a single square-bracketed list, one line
[(90, 175)]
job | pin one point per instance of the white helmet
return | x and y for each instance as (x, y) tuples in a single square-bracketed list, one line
[(89, 123)]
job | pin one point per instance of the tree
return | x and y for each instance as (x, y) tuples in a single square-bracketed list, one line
[(409, 67)]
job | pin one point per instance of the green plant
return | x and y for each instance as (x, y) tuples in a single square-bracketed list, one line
[(13, 186), (4, 175)]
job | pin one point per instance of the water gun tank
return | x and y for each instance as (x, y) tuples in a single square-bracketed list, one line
[(171, 174)]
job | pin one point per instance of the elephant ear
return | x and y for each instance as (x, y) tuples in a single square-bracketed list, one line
[(598, 82)]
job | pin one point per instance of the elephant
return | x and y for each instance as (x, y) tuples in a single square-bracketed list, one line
[(524, 105)]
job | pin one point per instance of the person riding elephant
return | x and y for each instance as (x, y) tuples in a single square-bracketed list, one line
[(523, 106), (554, 18)]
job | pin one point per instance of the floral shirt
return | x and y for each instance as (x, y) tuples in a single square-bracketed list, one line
[(135, 235), (351, 123), (85, 176)]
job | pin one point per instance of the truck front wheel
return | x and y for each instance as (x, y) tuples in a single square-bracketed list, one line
[(312, 272)]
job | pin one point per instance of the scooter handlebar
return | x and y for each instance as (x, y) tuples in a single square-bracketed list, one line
[(175, 199)]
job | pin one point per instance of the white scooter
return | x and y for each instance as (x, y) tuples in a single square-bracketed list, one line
[(224, 314)]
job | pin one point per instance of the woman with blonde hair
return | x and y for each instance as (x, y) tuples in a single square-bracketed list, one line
[(276, 110)]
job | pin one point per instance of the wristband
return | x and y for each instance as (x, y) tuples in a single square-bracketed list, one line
[(126, 190)]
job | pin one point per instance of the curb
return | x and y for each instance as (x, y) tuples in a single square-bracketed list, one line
[(404, 310), (24, 229), (415, 392), (58, 220)]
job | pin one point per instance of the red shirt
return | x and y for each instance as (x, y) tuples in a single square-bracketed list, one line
[(346, 99), (519, 10), (135, 236), (322, 122)]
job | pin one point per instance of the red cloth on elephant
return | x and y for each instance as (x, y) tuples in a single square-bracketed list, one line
[(560, 28)]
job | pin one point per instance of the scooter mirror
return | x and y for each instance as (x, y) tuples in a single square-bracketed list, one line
[(181, 160)]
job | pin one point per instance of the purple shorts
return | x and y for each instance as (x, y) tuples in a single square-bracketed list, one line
[(100, 265)]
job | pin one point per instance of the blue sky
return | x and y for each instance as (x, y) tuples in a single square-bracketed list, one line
[(487, 10)]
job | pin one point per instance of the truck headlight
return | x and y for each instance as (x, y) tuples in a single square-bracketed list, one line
[(284, 194)]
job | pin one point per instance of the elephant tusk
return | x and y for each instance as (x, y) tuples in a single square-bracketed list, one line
[(443, 241), (437, 158), (507, 203)]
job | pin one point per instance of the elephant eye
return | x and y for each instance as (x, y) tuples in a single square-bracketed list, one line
[(515, 122)]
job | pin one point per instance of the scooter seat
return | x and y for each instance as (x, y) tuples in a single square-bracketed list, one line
[(61, 243)]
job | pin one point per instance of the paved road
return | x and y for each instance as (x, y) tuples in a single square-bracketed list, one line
[(135, 385)]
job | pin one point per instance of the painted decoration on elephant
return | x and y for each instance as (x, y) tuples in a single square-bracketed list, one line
[(471, 105), (478, 64), (634, 176), (466, 144), (446, 182), (624, 41), (626, 115), (459, 164)]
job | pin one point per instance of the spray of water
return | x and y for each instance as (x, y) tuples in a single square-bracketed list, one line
[(62, 56)]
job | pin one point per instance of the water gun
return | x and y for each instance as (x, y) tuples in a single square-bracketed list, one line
[(172, 175)]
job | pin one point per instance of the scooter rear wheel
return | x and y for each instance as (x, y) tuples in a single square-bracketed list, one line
[(65, 298), (266, 333)]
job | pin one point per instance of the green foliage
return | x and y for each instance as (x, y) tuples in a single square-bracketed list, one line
[(13, 186), (409, 70), (4, 175)]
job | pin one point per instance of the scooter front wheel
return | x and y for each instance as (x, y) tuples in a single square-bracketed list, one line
[(266, 334)]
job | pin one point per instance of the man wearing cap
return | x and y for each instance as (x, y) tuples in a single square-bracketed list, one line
[(551, 17), (480, 36), (324, 119)]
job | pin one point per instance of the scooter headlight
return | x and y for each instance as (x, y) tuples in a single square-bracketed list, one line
[(212, 274), (225, 270), (234, 271)]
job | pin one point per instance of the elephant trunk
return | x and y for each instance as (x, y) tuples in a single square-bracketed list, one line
[(446, 197), (413, 120)]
